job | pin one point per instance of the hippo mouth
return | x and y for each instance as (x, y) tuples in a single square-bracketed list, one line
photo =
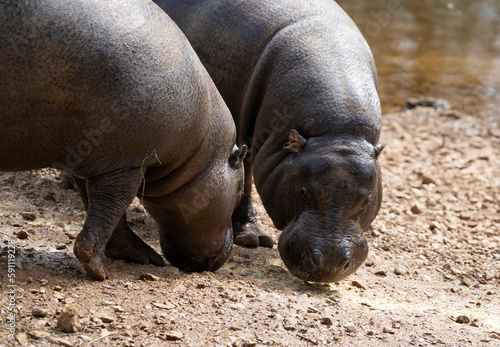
[(219, 260), (198, 258), (315, 251)]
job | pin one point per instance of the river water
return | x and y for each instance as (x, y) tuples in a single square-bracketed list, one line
[(443, 48)]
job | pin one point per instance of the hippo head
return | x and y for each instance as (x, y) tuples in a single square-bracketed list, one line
[(333, 192), (195, 224)]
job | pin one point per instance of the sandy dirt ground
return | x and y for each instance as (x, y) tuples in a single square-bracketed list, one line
[(432, 276)]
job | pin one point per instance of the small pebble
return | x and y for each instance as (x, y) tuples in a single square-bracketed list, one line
[(466, 282), (462, 320), (23, 234), (174, 336), (326, 321), (350, 328), (149, 277), (39, 312), (381, 273), (358, 285), (288, 327), (105, 318), (400, 271), (118, 309), (388, 331), (311, 309), (417, 209), (28, 216)]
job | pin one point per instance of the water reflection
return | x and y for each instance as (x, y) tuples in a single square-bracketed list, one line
[(448, 49)]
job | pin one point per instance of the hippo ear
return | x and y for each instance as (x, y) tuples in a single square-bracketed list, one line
[(295, 142), (237, 156), (378, 149)]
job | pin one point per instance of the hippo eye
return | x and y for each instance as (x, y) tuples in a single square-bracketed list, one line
[(305, 194)]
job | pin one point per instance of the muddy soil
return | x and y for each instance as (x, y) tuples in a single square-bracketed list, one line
[(432, 276)]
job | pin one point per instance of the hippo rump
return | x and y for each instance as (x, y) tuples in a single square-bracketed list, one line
[(112, 92), (301, 84)]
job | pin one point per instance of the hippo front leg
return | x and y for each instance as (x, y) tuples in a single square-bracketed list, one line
[(246, 229), (108, 197), (124, 243)]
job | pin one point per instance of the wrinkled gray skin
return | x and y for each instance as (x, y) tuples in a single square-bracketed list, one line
[(112, 92), (301, 84)]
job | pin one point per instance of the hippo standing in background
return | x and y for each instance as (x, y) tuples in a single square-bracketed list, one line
[(112, 92), (301, 84)]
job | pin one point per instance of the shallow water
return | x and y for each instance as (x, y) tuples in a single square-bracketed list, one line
[(442, 48)]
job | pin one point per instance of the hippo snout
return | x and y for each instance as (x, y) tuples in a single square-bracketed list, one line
[(322, 258), (200, 255)]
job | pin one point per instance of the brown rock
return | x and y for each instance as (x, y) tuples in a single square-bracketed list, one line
[(105, 318), (288, 327), (39, 312), (416, 208), (28, 216), (388, 331), (358, 285), (174, 335), (466, 282), (326, 321), (462, 320), (311, 309), (427, 179), (69, 319), (23, 234), (400, 271), (149, 277)]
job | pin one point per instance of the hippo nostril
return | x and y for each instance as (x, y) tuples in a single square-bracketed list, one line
[(346, 266), (311, 262)]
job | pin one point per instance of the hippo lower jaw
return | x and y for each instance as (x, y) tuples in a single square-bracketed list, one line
[(219, 260), (315, 258)]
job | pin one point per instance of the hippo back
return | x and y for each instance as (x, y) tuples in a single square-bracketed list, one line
[(73, 72), (258, 52)]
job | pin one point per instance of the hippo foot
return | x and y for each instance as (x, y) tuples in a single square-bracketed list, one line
[(251, 235), (92, 262), (96, 269), (126, 245)]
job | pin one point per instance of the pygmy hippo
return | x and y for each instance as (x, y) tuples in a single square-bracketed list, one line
[(301, 84), (112, 92)]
